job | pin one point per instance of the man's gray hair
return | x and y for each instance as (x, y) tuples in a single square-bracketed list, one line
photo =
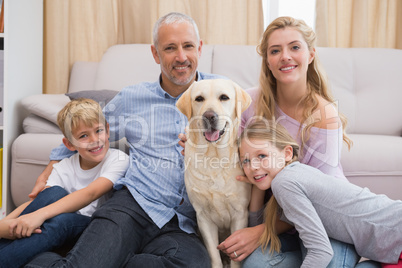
[(170, 18)]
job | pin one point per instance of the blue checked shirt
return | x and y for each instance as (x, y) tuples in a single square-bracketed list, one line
[(148, 118)]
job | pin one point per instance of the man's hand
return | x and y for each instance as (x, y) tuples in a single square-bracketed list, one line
[(243, 241), (41, 180), (182, 141), (242, 178)]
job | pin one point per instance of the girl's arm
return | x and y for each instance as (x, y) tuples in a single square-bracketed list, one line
[(257, 203), (26, 224), (299, 210), (5, 223)]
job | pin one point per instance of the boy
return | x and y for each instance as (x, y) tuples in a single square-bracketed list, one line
[(76, 183)]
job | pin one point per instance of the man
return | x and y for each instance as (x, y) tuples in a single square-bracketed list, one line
[(149, 221)]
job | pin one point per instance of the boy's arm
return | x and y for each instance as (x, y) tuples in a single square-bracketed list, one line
[(26, 224), (42, 179), (56, 155)]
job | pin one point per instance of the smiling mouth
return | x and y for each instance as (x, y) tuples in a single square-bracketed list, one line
[(288, 68), (97, 149), (260, 177), (180, 68)]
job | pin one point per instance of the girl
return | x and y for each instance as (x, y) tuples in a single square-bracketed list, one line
[(293, 91), (318, 205)]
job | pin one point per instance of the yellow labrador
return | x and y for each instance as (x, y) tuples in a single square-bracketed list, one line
[(213, 108)]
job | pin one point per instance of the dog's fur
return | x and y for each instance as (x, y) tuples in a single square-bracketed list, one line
[(213, 108)]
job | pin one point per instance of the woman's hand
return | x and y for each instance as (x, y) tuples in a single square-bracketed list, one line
[(243, 242)]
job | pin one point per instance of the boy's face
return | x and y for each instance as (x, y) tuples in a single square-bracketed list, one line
[(261, 161), (92, 143)]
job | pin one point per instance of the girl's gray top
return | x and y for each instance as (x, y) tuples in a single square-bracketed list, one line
[(321, 206)]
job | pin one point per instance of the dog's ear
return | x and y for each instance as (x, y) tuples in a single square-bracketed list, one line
[(243, 100), (184, 102)]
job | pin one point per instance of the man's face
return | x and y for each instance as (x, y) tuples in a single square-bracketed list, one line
[(177, 52)]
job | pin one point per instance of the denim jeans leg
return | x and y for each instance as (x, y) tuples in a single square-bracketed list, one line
[(55, 232), (14, 253), (112, 235), (44, 198), (345, 255), (289, 257), (172, 247), (368, 264)]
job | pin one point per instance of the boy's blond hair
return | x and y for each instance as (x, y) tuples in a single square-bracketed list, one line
[(78, 111)]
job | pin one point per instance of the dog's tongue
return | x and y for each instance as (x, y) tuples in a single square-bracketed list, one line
[(212, 135)]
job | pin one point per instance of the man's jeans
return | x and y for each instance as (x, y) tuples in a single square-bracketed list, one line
[(121, 234), (55, 231)]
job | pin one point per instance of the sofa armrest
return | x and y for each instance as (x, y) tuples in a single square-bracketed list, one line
[(29, 157)]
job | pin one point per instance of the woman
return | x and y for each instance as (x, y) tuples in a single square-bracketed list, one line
[(294, 92)]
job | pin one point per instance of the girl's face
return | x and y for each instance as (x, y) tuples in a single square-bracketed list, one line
[(262, 161), (288, 56)]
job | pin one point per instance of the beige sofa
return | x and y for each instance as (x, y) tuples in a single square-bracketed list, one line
[(367, 83)]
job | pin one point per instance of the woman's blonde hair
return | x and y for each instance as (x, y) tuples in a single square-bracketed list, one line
[(79, 111), (317, 83), (278, 136)]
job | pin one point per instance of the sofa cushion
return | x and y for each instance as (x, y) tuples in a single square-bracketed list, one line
[(366, 82), (124, 65), (244, 65), (82, 76), (45, 105), (129, 64), (340, 69), (102, 96), (373, 161), (35, 124)]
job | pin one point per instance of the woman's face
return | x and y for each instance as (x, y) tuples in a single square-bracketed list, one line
[(288, 56)]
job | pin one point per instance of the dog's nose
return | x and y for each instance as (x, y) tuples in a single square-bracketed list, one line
[(210, 119)]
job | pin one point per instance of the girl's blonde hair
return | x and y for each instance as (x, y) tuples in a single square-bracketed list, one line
[(317, 83), (81, 110), (278, 136)]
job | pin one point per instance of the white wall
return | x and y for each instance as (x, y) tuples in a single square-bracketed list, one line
[(300, 9)]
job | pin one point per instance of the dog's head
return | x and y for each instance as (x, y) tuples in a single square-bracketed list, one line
[(214, 107)]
